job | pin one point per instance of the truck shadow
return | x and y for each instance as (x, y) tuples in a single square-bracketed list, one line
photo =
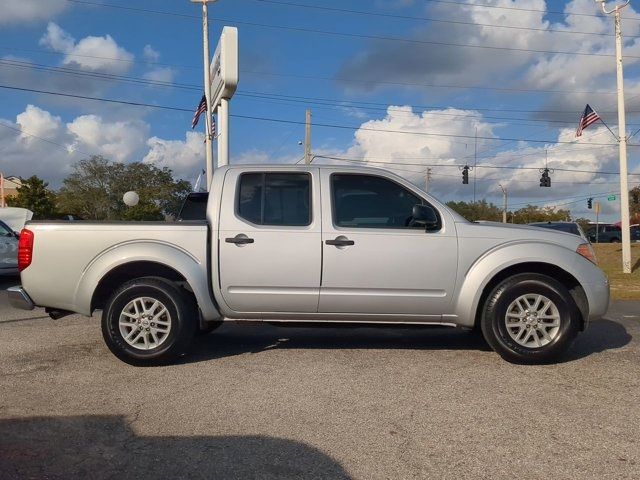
[(233, 339), (100, 447)]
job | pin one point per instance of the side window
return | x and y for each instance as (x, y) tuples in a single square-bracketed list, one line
[(367, 201), (275, 198)]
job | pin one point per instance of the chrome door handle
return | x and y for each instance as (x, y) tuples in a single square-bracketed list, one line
[(240, 239), (340, 241)]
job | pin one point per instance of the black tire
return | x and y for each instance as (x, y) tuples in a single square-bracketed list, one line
[(493, 320), (181, 314)]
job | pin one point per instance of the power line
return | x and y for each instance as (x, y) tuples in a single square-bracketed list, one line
[(19, 130), (97, 99), (357, 35), (456, 165), (102, 75), (478, 5), (95, 75), (325, 125), (424, 19)]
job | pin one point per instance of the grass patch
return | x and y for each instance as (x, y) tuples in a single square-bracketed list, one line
[(623, 286)]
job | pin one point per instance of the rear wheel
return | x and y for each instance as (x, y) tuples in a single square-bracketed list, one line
[(530, 318), (149, 321)]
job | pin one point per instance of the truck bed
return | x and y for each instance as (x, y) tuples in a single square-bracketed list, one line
[(69, 258)]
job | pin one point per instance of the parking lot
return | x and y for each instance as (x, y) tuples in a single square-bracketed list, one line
[(266, 402)]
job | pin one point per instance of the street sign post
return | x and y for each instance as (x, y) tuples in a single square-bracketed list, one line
[(224, 81)]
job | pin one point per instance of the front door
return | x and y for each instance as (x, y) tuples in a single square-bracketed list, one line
[(376, 261), (269, 241)]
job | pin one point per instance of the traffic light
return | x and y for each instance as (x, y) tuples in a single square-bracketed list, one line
[(465, 175), (545, 179), (590, 203)]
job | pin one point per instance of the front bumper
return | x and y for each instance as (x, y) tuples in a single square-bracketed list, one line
[(598, 297), (18, 298)]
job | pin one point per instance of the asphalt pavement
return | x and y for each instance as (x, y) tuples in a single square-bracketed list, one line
[(262, 402)]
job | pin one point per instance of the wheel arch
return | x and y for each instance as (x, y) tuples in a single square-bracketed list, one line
[(564, 277), (144, 259)]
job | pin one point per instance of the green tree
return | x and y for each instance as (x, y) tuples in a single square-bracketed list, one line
[(35, 196), (534, 213), (480, 210), (95, 188), (584, 223)]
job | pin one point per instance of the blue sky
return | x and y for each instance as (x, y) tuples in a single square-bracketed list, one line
[(371, 69)]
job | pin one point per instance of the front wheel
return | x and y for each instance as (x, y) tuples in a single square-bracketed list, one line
[(530, 318), (149, 321)]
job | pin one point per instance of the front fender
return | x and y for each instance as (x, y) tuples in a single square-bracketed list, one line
[(485, 268), (170, 255)]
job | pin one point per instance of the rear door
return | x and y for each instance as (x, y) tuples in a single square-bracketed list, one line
[(270, 240), (375, 260)]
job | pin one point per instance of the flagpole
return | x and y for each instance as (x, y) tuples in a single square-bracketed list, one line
[(207, 90), (622, 140)]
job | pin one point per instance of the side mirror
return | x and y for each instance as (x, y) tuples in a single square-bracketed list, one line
[(425, 215)]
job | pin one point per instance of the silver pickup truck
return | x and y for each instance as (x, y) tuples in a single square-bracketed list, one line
[(313, 244)]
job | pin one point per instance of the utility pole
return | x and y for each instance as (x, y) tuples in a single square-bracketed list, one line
[(207, 89), (307, 137), (596, 205), (622, 140), (475, 163), (504, 203), (427, 180), (2, 202)]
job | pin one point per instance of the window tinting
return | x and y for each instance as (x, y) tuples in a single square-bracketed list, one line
[(275, 198), (366, 201)]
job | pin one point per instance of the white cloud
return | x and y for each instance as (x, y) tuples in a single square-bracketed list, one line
[(184, 157), (57, 39), (25, 11), (119, 141), (48, 147), (162, 75), (90, 53), (150, 54), (39, 123)]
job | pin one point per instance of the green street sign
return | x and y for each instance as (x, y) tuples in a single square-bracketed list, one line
[(611, 198)]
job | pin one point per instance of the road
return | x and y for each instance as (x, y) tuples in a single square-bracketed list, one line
[(264, 402)]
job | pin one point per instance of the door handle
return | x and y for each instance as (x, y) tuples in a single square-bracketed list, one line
[(340, 241), (240, 239)]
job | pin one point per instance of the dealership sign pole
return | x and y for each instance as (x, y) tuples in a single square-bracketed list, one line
[(224, 81)]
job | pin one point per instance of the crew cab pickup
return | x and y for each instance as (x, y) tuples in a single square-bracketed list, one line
[(313, 245)]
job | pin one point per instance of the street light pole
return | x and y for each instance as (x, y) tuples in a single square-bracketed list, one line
[(622, 140), (504, 201), (207, 89)]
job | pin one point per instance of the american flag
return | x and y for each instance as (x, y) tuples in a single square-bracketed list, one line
[(213, 126), (202, 107), (589, 116)]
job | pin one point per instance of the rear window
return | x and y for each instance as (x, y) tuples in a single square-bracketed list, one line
[(275, 198), (194, 207)]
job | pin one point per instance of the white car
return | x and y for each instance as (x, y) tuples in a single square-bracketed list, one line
[(8, 250)]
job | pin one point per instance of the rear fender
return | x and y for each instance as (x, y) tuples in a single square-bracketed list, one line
[(191, 268)]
